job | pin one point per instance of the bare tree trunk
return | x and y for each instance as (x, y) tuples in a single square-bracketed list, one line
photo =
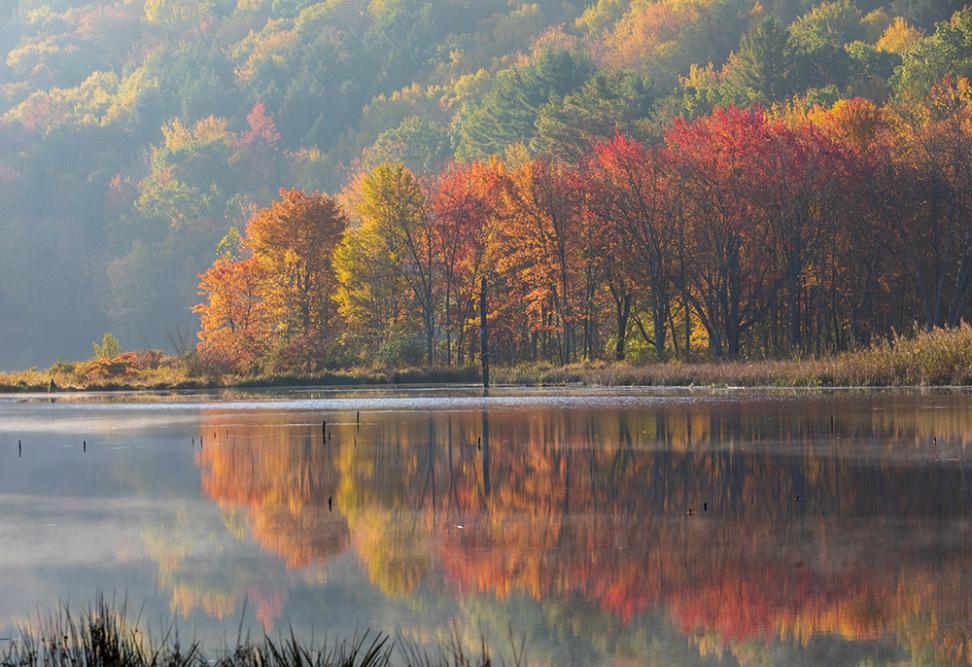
[(623, 313)]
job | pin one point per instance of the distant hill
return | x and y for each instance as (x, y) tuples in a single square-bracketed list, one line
[(136, 133)]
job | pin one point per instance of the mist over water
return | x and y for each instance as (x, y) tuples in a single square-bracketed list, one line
[(696, 528)]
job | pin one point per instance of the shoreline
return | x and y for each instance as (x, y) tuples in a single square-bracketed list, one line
[(936, 358), (733, 376)]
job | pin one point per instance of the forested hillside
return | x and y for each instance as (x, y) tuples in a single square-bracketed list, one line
[(138, 136)]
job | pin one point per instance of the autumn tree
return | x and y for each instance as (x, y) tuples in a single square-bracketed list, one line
[(727, 245), (801, 195), (931, 151), (259, 149), (538, 232), (632, 196), (462, 210), (233, 318), (372, 297), (947, 52), (395, 204), (277, 298), (294, 240)]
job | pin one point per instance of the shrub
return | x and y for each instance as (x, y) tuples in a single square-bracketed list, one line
[(109, 347)]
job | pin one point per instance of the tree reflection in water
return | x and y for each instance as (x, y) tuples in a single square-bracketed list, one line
[(740, 523)]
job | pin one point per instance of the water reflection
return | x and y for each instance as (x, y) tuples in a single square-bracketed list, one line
[(740, 524), (733, 529)]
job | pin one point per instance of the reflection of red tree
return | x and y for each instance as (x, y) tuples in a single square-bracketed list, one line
[(554, 561), (558, 526), (759, 600), (733, 580), (309, 537)]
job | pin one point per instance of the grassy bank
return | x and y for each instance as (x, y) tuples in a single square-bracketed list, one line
[(172, 373), (103, 636), (942, 357)]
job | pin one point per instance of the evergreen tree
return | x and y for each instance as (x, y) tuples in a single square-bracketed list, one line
[(760, 70)]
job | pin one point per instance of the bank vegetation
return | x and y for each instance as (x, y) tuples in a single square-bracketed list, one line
[(936, 358)]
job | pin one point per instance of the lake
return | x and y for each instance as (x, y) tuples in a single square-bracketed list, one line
[(620, 527)]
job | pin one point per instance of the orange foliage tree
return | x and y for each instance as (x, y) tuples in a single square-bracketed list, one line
[(234, 319), (278, 300), (538, 247)]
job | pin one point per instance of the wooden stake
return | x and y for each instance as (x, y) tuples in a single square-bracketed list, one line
[(483, 332)]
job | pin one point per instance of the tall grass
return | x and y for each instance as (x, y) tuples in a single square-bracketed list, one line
[(102, 636), (940, 357)]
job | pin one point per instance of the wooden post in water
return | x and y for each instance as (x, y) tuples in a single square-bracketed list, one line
[(483, 333)]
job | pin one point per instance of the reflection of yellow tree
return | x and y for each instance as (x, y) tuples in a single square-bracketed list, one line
[(394, 493), (579, 505)]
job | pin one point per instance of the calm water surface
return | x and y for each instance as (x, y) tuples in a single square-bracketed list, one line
[(603, 527)]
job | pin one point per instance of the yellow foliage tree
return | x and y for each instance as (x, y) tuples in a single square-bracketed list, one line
[(899, 37)]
